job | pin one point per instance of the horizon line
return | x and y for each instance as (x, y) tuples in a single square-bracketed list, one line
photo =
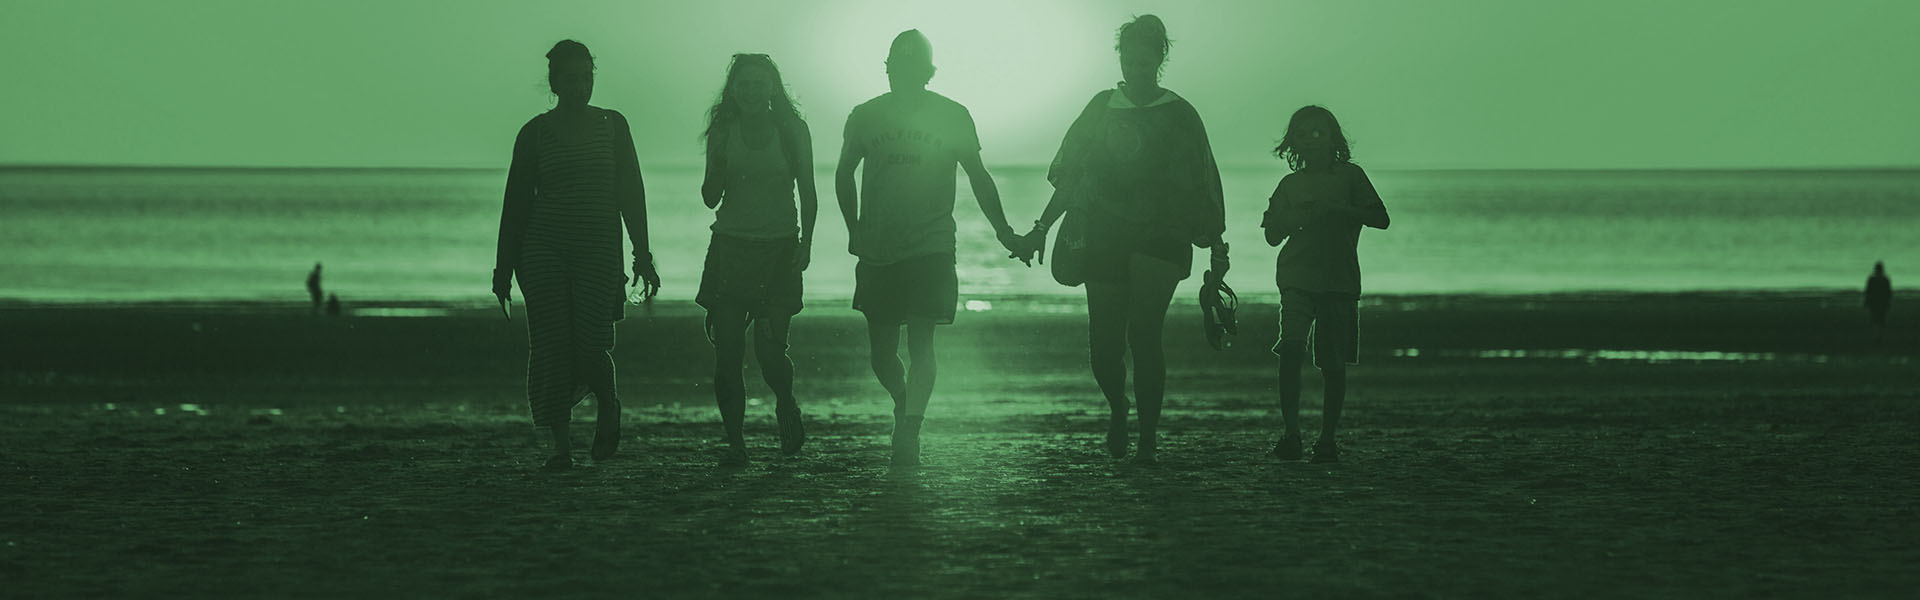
[(1022, 166)]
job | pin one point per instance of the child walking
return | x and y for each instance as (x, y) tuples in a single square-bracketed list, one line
[(1317, 211)]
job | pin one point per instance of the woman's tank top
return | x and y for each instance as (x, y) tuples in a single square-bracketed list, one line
[(758, 202)]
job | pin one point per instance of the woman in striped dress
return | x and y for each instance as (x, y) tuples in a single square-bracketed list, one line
[(574, 179), (758, 152)]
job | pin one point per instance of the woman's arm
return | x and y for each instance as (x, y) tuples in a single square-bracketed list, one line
[(809, 195), (1212, 206), (630, 192), (523, 175), (1070, 161), (714, 186), (803, 179)]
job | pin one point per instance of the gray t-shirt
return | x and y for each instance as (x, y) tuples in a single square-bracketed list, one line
[(911, 145)]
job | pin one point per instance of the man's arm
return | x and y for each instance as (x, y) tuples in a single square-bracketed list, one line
[(988, 195), (851, 153)]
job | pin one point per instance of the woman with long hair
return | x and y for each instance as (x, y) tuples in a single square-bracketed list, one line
[(1136, 164), (574, 179), (758, 152)]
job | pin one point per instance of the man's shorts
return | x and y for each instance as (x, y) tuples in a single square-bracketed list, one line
[(1326, 322), (924, 287)]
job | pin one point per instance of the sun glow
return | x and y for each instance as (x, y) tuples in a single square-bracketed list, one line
[(1024, 69)]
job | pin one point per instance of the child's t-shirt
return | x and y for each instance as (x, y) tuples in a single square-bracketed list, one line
[(911, 144), (1320, 254)]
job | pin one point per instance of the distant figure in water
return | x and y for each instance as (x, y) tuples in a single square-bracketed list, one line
[(903, 229), (313, 287), (758, 148), (1317, 210), (1137, 168), (333, 305), (1879, 295), (573, 180)]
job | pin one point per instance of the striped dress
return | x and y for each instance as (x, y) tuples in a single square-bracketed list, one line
[(560, 235)]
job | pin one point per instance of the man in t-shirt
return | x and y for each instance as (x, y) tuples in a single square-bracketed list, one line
[(911, 139)]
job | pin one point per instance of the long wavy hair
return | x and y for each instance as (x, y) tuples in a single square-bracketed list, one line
[(1342, 151), (786, 112)]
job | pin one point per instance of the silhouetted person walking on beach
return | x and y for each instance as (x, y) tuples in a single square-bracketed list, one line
[(573, 180), (900, 223), (758, 149), (1317, 210), (1137, 166), (313, 287), (1879, 295)]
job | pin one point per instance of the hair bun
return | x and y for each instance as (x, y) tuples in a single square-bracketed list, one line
[(569, 49)]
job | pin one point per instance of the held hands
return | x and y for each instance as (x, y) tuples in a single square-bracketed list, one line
[(645, 278), (1034, 244), (1018, 246)]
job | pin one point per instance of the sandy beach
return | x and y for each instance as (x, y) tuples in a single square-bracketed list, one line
[(1576, 445)]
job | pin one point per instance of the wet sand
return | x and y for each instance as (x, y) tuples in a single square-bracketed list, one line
[(1631, 445)]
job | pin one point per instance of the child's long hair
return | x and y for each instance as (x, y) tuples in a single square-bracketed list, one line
[(786, 112), (1342, 151)]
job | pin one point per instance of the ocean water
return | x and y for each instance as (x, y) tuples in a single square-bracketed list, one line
[(114, 235)]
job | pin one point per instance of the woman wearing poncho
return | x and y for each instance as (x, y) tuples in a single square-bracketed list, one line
[(1136, 166)]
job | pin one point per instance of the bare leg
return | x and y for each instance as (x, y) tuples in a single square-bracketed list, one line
[(1107, 349), (922, 367), (883, 344), (1335, 399), (770, 347), (728, 328), (1292, 356), (1146, 320)]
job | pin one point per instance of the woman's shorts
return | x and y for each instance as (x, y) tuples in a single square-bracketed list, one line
[(757, 276)]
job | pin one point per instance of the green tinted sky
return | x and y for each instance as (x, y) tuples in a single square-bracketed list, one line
[(1489, 84)]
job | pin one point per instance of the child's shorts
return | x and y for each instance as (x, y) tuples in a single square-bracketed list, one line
[(1326, 322)]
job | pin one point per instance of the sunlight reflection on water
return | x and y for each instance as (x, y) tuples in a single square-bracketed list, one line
[(1592, 355)]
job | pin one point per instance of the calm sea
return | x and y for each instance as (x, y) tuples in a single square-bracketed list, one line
[(84, 235)]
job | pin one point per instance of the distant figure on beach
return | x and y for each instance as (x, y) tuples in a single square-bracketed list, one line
[(900, 223), (1879, 294), (313, 287), (1136, 168), (333, 305), (758, 149), (573, 180), (1317, 210)]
